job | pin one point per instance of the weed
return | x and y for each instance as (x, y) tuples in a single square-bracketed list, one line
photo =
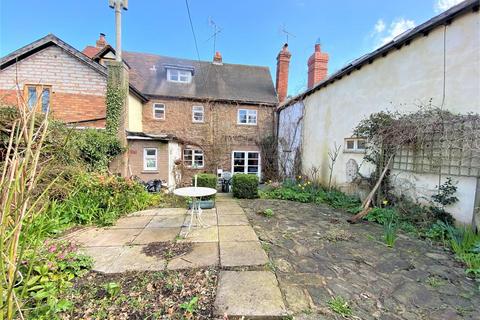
[(190, 306), (271, 266), (341, 306), (112, 288), (435, 282), (266, 247), (267, 213)]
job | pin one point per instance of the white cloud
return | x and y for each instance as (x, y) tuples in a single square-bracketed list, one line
[(379, 26), (442, 5), (382, 35)]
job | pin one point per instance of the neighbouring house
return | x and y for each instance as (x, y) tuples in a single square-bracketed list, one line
[(437, 61), (183, 116)]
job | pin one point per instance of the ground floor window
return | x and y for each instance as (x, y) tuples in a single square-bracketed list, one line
[(193, 158), (246, 162), (150, 159)]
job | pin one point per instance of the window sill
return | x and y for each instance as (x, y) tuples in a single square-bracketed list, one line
[(158, 119), (247, 124), (354, 151), (150, 171), (198, 122)]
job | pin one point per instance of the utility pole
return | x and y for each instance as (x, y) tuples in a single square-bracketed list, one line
[(118, 5), (117, 87)]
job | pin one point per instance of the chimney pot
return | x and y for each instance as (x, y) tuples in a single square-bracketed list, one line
[(283, 62), (101, 42), (217, 58), (317, 66)]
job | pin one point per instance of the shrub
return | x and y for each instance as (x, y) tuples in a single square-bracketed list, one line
[(208, 180), (101, 199), (245, 186), (97, 148)]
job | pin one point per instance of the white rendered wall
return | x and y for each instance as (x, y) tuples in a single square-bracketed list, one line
[(401, 81)]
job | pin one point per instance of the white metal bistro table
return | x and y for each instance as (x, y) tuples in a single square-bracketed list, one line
[(196, 211)]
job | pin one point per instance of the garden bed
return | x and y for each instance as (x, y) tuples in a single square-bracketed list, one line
[(186, 294)]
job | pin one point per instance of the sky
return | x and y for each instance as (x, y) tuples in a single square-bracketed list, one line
[(250, 31)]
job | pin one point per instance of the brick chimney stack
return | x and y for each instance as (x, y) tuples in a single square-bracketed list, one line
[(217, 58), (317, 66), (101, 42), (283, 62)]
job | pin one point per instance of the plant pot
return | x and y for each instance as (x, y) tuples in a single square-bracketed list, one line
[(204, 204)]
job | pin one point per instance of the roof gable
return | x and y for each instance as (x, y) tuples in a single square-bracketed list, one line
[(44, 42)]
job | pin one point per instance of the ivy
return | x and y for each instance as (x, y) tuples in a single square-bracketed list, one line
[(115, 98)]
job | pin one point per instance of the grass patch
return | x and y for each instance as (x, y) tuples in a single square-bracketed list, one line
[(341, 306)]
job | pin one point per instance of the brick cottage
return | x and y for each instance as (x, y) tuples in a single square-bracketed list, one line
[(183, 116)]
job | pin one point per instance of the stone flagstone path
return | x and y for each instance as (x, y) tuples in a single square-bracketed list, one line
[(229, 242)]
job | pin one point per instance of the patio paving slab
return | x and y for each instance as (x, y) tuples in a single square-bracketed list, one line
[(199, 234), (233, 220), (235, 254), (208, 219), (149, 235), (159, 212), (103, 257), (166, 221), (132, 258), (237, 233), (106, 237), (250, 294), (132, 222), (202, 255), (227, 210)]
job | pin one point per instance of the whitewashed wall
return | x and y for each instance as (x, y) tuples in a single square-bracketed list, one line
[(401, 80), (289, 137)]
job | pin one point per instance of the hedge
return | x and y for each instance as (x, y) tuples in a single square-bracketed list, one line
[(245, 186), (207, 180)]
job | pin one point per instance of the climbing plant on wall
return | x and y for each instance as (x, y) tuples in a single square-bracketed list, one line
[(115, 98)]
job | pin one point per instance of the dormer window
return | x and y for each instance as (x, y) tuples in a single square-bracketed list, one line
[(179, 73), (176, 75)]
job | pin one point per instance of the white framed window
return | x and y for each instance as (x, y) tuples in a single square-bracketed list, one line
[(355, 145), (198, 114), (246, 162), (193, 158), (176, 75), (247, 116), (150, 159), (159, 111)]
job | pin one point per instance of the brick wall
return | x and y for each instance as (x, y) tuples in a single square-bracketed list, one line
[(78, 91), (135, 162), (218, 136)]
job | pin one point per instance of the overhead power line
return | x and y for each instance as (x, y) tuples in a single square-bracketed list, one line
[(193, 30)]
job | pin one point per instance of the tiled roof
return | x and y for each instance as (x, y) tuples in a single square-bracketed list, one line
[(90, 51), (229, 82)]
